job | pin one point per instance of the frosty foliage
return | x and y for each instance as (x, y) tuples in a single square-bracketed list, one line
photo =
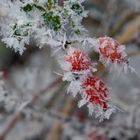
[(59, 26), (47, 25)]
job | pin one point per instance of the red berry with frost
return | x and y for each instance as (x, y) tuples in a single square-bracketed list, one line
[(111, 50), (96, 91), (77, 60)]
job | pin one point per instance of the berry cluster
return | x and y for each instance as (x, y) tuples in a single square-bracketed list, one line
[(92, 89), (80, 73)]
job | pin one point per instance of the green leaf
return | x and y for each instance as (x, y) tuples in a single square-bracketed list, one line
[(50, 4), (27, 8), (77, 8), (21, 30), (53, 21), (78, 32), (40, 7)]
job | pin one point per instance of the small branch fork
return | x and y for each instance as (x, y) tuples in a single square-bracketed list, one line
[(17, 115)]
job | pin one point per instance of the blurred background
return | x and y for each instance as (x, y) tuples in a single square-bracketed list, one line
[(53, 114)]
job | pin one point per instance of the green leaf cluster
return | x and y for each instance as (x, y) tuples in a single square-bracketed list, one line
[(53, 21)]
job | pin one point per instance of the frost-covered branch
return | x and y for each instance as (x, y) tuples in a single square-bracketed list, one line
[(59, 26)]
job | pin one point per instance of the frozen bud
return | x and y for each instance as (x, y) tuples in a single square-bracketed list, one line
[(77, 60)]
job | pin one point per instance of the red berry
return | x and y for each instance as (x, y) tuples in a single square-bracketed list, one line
[(78, 60), (112, 50), (96, 91)]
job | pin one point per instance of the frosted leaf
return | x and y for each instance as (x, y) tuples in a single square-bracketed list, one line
[(17, 45), (45, 36)]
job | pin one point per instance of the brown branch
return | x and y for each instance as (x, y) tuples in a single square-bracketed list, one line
[(17, 115)]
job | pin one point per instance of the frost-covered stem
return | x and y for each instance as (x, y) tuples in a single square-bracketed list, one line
[(17, 115)]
